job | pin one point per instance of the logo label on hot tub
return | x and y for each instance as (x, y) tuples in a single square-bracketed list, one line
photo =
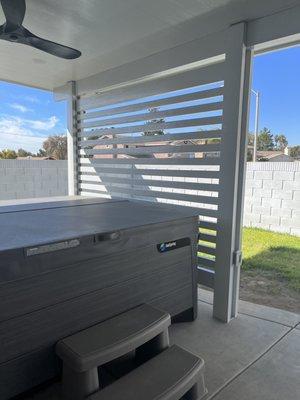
[(174, 244), (49, 248)]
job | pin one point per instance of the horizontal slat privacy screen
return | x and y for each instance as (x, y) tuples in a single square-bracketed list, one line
[(157, 141)]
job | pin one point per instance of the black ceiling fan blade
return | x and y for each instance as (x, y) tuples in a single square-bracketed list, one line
[(14, 11), (53, 48)]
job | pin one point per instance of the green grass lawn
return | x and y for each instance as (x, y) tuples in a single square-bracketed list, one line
[(269, 251)]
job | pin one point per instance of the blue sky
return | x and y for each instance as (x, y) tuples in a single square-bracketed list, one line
[(277, 76), (28, 116)]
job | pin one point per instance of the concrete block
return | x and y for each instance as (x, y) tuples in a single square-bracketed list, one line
[(20, 178), (260, 225), (263, 174), (296, 213), (248, 191), (249, 175), (291, 185), (25, 194), (261, 210), (282, 212), (272, 184), (247, 223), (290, 204), (262, 193), (7, 195), (49, 172), (297, 176), (13, 186), (49, 184), (56, 192), (62, 185), (284, 175), (32, 171), (252, 217), (270, 220), (280, 228), (62, 172), (253, 200), (282, 194), (271, 202), (295, 231), (291, 222), (31, 186), (248, 208), (254, 183), (12, 172), (42, 193), (296, 195)]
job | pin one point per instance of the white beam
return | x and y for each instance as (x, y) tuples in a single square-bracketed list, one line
[(226, 280), (72, 139), (280, 29), (167, 62)]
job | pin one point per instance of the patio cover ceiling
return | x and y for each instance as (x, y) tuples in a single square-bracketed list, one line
[(110, 33)]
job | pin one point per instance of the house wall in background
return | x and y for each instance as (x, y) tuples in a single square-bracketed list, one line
[(20, 179), (272, 196)]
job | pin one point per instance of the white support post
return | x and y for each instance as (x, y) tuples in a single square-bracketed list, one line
[(72, 140), (242, 177), (233, 147), (257, 99)]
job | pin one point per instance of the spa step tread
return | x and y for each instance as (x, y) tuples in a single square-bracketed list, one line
[(112, 338), (168, 376)]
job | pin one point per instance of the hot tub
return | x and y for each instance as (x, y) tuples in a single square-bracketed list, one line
[(68, 265)]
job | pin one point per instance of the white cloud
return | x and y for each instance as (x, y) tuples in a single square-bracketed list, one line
[(20, 107), (31, 99), (18, 132), (47, 125)]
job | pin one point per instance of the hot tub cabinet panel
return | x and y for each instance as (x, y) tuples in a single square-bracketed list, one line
[(100, 258)]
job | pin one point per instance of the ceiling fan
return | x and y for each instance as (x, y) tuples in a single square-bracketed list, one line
[(14, 31)]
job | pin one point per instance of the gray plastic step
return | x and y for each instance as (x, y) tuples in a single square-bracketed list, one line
[(143, 327), (172, 374)]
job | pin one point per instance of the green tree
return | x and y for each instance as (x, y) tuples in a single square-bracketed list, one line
[(8, 154), (41, 153), (295, 152), (280, 142), (250, 139), (56, 147), (24, 153), (250, 146), (265, 140)]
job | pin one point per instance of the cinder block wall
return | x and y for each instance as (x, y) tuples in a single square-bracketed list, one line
[(20, 179), (272, 198)]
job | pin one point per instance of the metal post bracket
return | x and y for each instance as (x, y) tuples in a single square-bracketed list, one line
[(237, 258)]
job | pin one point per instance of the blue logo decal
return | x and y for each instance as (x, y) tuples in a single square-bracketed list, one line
[(162, 247)]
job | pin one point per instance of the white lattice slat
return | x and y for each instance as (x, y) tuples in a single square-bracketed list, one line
[(207, 95), (162, 148)]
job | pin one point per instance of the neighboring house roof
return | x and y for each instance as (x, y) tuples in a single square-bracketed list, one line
[(273, 155), (150, 144), (35, 158)]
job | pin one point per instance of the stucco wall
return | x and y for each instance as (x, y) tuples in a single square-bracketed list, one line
[(21, 179)]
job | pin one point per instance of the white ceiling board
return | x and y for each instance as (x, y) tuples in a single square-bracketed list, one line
[(113, 32)]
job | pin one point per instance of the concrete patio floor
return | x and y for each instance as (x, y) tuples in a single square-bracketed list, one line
[(255, 356)]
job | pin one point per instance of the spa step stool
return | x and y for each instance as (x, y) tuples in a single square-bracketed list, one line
[(144, 328), (172, 375)]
